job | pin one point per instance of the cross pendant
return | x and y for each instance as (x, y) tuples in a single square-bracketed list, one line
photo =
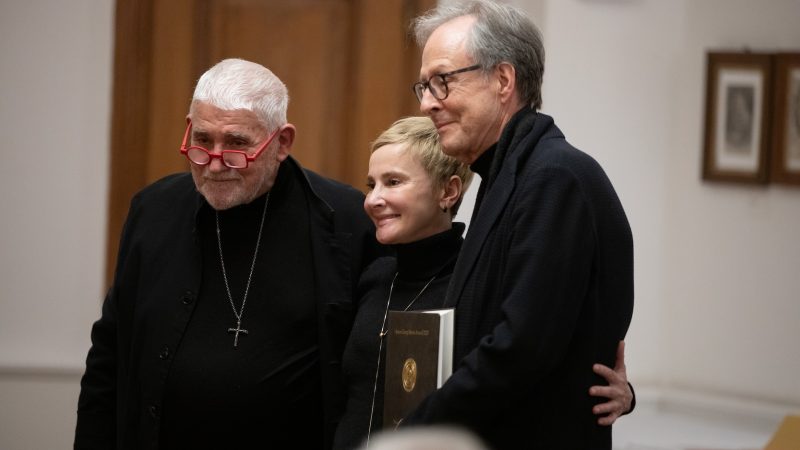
[(236, 332)]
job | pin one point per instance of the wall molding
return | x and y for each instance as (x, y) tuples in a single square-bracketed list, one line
[(43, 372), (715, 405)]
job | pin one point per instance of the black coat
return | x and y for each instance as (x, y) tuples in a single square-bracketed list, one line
[(156, 281), (543, 288)]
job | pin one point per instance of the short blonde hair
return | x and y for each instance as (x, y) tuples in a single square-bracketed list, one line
[(422, 142)]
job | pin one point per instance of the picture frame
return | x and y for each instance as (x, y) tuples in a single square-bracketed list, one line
[(785, 156), (737, 121)]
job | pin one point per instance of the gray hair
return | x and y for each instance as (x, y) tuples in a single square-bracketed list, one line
[(236, 84), (501, 33)]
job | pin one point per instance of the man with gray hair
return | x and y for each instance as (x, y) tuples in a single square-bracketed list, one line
[(232, 295), (543, 286)]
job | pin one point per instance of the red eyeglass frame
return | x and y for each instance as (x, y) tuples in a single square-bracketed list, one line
[(248, 158)]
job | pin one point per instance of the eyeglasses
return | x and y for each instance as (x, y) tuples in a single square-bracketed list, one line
[(235, 159), (437, 84)]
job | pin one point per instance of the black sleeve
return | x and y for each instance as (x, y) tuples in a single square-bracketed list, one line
[(97, 403), (633, 400)]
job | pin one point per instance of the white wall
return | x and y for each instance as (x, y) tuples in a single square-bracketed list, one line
[(735, 302), (55, 82), (717, 285)]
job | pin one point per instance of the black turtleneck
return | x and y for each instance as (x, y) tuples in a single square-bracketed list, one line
[(430, 256), (267, 391), (422, 270), (482, 166), (491, 160)]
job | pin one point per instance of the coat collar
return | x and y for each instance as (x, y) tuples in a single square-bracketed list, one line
[(517, 142)]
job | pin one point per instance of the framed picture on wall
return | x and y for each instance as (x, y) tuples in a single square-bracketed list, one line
[(738, 108), (785, 157)]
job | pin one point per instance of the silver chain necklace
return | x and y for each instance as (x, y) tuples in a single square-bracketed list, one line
[(383, 333), (238, 314)]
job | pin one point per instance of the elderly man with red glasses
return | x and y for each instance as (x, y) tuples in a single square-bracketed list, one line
[(231, 300)]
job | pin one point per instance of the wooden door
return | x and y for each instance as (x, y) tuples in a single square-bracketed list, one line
[(348, 65)]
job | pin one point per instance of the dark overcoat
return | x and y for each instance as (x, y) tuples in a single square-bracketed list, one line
[(543, 289)]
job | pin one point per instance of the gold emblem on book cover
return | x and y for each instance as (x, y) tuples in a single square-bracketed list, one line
[(409, 374)]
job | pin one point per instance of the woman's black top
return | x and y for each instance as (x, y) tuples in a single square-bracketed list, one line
[(416, 264)]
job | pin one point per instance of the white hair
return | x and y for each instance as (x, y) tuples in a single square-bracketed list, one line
[(426, 438), (236, 84)]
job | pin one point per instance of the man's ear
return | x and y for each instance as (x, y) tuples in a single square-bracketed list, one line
[(507, 77), (285, 140), (452, 191)]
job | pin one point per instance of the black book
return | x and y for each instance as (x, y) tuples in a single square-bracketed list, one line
[(419, 358)]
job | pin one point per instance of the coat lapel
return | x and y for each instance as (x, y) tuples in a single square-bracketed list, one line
[(522, 133), (494, 202)]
